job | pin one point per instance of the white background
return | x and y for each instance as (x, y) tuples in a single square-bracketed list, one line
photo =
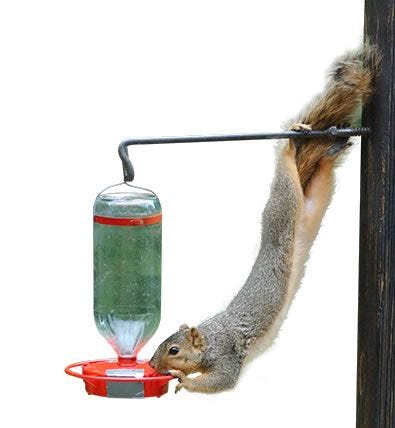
[(77, 77)]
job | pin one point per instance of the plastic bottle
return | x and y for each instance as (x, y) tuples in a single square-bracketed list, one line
[(127, 266)]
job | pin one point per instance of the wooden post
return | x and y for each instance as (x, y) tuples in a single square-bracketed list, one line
[(376, 321)]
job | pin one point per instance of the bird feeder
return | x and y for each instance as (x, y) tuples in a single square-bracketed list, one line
[(127, 291)]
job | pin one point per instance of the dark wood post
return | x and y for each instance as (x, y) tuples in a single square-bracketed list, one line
[(376, 321)]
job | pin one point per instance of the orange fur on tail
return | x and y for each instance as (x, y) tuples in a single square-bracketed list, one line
[(350, 86)]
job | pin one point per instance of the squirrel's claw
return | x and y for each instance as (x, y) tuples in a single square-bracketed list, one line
[(178, 387)]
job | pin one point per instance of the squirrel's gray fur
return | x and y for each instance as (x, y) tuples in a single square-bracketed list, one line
[(300, 193)]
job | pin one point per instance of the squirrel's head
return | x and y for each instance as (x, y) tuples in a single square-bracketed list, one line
[(183, 351)]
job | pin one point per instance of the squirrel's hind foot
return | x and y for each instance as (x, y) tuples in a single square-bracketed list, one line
[(338, 147), (340, 144), (300, 127)]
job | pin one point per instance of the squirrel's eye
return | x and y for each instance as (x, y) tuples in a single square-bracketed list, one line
[(173, 350)]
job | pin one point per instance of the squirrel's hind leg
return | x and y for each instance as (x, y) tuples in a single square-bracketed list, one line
[(319, 189), (318, 195)]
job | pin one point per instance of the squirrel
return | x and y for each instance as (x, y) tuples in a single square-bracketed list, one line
[(300, 194)]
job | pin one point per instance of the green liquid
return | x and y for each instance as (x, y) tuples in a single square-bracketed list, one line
[(127, 272)]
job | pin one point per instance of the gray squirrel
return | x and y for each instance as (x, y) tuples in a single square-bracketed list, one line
[(300, 194)]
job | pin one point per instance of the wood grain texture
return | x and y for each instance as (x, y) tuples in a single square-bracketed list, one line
[(376, 319)]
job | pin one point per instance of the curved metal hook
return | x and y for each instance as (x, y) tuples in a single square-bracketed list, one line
[(128, 170)]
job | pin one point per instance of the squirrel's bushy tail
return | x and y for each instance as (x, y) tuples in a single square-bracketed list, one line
[(350, 86)]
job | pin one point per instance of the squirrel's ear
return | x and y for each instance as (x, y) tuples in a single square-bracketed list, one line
[(196, 338), (183, 327)]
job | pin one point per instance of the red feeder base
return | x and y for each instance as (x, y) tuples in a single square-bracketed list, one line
[(121, 378)]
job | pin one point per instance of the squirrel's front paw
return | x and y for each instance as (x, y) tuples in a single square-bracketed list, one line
[(300, 127), (181, 377)]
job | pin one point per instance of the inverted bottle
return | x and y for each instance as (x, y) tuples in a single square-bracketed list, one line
[(127, 266)]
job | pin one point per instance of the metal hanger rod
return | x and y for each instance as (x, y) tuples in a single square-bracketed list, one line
[(332, 133)]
